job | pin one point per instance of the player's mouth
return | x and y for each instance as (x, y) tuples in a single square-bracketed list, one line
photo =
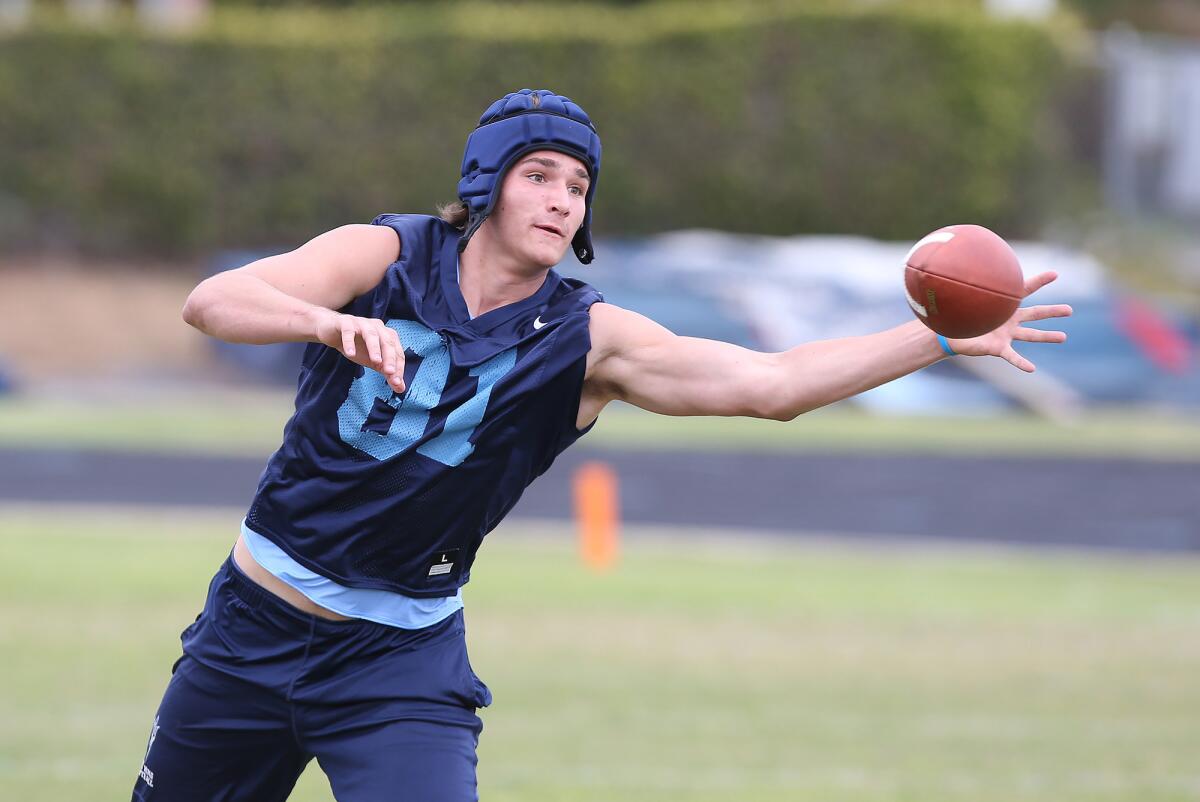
[(552, 229)]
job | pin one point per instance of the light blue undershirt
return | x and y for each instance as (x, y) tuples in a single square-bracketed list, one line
[(380, 606)]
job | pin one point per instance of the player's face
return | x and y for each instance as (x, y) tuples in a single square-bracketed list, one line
[(541, 206)]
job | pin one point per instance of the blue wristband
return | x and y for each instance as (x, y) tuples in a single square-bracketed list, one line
[(942, 341)]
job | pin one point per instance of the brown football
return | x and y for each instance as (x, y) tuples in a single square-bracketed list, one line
[(963, 281)]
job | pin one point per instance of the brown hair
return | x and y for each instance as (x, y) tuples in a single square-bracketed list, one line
[(454, 213)]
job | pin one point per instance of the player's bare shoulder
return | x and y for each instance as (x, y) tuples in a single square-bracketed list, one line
[(615, 330), (610, 328), (362, 250), (618, 338), (603, 326)]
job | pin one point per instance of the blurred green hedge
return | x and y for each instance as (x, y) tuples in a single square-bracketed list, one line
[(1181, 16), (268, 126)]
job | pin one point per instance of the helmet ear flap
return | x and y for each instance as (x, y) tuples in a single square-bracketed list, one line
[(582, 243), (520, 123)]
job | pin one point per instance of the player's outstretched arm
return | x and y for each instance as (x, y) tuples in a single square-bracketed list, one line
[(636, 360), (292, 297)]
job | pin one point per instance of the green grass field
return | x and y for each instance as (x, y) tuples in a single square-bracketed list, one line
[(202, 422), (704, 668)]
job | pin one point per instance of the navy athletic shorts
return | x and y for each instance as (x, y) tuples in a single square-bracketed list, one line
[(262, 688)]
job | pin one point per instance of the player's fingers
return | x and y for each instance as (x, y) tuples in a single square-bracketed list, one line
[(397, 379), (1028, 313), (1039, 336), (371, 339), (349, 332), (1016, 360), (1035, 283), (387, 346), (394, 375)]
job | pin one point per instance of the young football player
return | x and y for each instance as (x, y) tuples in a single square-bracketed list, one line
[(448, 366)]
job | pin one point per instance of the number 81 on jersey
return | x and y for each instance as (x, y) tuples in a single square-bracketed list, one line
[(412, 409)]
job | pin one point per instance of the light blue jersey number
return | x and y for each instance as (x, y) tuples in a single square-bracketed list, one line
[(411, 419)]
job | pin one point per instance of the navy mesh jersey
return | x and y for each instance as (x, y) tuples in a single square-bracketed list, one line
[(375, 489)]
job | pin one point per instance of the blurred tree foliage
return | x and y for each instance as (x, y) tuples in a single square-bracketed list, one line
[(269, 126)]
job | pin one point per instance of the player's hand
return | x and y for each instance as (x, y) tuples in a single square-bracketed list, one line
[(367, 342), (1000, 341)]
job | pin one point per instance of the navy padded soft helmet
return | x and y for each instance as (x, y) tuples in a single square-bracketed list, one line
[(517, 124)]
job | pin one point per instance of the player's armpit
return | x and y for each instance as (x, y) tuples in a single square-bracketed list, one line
[(636, 360)]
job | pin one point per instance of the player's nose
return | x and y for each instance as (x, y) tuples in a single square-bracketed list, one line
[(558, 200)]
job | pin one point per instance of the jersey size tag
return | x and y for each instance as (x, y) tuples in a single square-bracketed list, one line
[(444, 563)]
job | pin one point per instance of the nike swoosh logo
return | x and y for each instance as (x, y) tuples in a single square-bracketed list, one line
[(537, 324)]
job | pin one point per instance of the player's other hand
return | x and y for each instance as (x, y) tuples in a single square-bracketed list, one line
[(1000, 341), (365, 341)]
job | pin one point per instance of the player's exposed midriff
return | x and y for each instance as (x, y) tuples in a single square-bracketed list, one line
[(265, 579)]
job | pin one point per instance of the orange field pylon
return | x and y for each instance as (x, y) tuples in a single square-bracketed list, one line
[(598, 513)]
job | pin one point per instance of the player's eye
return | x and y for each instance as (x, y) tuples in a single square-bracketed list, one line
[(537, 178), (576, 190)]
